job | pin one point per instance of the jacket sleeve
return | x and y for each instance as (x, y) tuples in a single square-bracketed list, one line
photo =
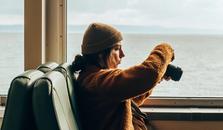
[(117, 84), (139, 100)]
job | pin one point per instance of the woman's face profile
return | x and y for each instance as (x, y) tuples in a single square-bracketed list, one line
[(115, 56)]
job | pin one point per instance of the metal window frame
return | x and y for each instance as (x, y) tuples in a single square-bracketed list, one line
[(32, 33), (45, 32), (45, 41), (184, 102), (46, 37)]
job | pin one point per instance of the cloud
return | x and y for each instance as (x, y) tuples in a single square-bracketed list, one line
[(167, 13), (11, 19), (95, 6), (12, 12), (119, 16), (200, 14), (9, 7)]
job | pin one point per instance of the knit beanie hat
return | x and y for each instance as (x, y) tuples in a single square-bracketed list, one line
[(98, 37)]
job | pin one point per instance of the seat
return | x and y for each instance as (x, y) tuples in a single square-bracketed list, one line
[(47, 67), (18, 111), (52, 96), (71, 79)]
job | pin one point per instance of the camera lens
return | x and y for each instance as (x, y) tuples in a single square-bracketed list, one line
[(174, 72)]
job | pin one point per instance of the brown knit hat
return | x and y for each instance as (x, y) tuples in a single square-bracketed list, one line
[(98, 37)]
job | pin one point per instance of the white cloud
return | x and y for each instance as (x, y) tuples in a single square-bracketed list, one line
[(11, 19), (167, 13), (12, 7), (172, 13), (122, 16)]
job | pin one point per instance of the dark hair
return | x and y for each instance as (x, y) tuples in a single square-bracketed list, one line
[(81, 61)]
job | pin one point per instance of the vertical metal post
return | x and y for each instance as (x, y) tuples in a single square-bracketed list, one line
[(32, 34), (55, 31)]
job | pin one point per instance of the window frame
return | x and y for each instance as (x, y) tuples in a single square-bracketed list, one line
[(44, 39), (45, 32), (189, 102), (42, 48), (157, 101)]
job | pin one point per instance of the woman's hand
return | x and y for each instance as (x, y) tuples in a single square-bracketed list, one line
[(167, 78)]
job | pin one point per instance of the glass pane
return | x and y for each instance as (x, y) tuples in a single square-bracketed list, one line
[(11, 42), (193, 27)]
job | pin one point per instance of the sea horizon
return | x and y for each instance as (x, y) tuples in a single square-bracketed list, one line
[(130, 29), (198, 55)]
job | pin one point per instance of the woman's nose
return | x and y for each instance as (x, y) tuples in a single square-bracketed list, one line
[(122, 53)]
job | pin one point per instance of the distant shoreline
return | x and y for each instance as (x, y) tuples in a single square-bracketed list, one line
[(142, 34), (129, 29)]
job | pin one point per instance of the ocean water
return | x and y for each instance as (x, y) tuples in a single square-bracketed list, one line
[(11, 58), (200, 57)]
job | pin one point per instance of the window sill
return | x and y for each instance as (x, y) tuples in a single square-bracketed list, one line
[(184, 102), (3, 99), (181, 110), (184, 114), (2, 110)]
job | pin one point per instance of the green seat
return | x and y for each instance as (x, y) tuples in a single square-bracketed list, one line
[(71, 79), (52, 105), (47, 67), (18, 111)]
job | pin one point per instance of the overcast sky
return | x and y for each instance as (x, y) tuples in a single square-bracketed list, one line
[(206, 14)]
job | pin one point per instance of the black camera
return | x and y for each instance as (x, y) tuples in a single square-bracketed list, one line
[(174, 72)]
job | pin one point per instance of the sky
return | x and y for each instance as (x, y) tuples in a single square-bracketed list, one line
[(11, 12), (196, 14)]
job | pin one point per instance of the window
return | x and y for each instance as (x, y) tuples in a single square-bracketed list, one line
[(11, 42), (194, 28)]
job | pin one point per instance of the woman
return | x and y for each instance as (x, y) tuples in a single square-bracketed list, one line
[(106, 94)]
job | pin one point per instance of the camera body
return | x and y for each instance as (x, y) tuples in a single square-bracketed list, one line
[(174, 72)]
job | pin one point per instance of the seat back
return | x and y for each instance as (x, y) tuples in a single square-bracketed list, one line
[(51, 102), (71, 79), (47, 67), (18, 111)]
